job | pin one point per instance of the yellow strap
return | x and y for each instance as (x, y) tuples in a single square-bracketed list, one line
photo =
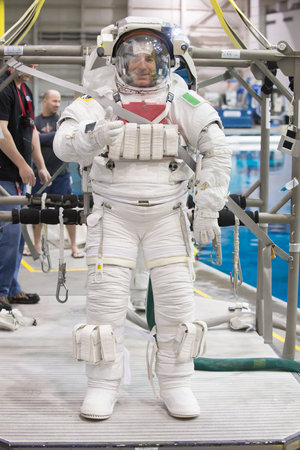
[(273, 254), (2, 17)]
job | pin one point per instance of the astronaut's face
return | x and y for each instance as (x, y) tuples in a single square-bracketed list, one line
[(142, 61), (142, 69)]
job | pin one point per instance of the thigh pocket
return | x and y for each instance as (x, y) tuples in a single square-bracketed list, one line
[(185, 228), (94, 234)]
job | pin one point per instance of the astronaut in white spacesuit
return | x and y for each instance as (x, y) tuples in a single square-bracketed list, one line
[(140, 186)]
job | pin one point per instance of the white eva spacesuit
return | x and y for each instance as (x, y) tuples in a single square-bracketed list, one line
[(139, 190)]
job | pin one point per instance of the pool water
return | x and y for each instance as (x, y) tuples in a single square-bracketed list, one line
[(245, 171)]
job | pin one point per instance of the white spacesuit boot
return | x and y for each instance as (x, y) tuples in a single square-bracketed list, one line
[(178, 342), (175, 371), (98, 403), (100, 341), (102, 391)]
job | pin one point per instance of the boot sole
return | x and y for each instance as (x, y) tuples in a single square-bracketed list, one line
[(95, 416), (181, 416), (98, 416)]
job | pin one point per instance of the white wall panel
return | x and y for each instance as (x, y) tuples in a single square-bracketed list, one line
[(288, 23), (163, 13), (284, 26), (97, 18)]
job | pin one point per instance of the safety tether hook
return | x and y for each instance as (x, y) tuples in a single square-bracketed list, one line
[(45, 255), (61, 281), (236, 276)]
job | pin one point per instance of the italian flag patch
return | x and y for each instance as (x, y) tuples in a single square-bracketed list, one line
[(191, 99)]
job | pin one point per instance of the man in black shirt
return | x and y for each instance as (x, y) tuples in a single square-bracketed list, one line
[(46, 126), (19, 142)]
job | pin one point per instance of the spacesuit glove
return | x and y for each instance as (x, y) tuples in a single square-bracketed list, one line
[(205, 228), (107, 133)]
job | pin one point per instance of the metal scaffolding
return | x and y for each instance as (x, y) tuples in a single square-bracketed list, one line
[(288, 61)]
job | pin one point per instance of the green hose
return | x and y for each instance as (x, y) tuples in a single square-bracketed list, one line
[(228, 364), (232, 364)]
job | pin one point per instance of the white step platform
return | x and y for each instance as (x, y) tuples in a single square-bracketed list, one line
[(42, 388)]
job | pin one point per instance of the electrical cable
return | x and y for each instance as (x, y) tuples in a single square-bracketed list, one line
[(18, 22), (20, 29), (250, 26), (37, 12), (233, 36), (13, 38), (237, 42)]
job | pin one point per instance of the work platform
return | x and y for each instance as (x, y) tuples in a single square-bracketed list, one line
[(42, 387)]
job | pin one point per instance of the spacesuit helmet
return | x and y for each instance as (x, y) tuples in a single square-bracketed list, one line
[(135, 41), (143, 60)]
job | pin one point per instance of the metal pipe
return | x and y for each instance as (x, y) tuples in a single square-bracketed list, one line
[(284, 91), (254, 202), (239, 54), (264, 296), (232, 57), (5, 216), (294, 246), (8, 80), (225, 76), (264, 218), (14, 200), (267, 294), (236, 75), (3, 69), (281, 203), (3, 191), (221, 63), (41, 50), (68, 60), (264, 195), (275, 218), (252, 188)]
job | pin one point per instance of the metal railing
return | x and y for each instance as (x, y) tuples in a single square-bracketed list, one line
[(288, 61)]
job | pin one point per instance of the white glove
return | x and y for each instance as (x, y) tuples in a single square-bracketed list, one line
[(205, 229), (106, 132)]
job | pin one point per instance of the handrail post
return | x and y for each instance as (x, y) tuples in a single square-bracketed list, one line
[(263, 298), (294, 246)]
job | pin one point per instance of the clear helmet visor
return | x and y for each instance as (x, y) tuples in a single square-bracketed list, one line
[(143, 61)]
